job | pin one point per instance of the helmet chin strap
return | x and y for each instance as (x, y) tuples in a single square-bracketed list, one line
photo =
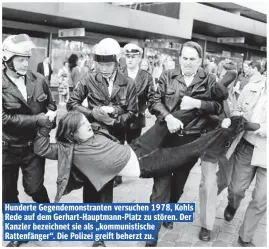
[(10, 65)]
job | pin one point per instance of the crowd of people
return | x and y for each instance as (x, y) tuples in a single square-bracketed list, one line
[(207, 112)]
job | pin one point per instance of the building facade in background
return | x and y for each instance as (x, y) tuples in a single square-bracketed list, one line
[(223, 29)]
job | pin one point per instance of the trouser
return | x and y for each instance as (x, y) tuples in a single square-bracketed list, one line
[(210, 186), (90, 195), (33, 169), (156, 162), (242, 176)]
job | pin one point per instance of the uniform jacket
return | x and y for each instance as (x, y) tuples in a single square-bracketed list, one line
[(143, 82), (172, 89), (94, 87), (246, 103), (18, 115)]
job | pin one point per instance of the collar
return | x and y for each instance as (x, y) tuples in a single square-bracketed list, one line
[(200, 72)]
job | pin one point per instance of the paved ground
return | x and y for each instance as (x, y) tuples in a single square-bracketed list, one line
[(224, 234)]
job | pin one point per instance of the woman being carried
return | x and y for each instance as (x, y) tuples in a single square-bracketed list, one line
[(98, 157)]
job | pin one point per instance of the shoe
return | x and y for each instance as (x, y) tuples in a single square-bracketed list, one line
[(99, 244), (245, 244), (204, 234), (151, 243), (229, 213), (118, 181), (168, 225), (15, 243)]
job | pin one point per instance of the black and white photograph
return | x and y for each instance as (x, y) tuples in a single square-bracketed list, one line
[(137, 102)]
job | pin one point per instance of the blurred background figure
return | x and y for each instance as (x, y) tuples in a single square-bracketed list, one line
[(243, 77), (63, 88), (74, 70), (45, 69), (64, 71), (145, 65)]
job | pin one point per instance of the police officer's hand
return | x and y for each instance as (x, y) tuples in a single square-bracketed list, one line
[(189, 103), (51, 114), (173, 124), (43, 120), (226, 123), (108, 109), (101, 116)]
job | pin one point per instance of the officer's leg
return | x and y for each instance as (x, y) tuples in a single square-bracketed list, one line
[(90, 194), (10, 172), (106, 193), (33, 170), (160, 193)]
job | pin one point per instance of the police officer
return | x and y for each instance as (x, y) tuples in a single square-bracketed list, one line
[(26, 98), (143, 81), (114, 94)]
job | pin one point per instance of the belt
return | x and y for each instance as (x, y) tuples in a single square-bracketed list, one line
[(28, 144), (184, 132)]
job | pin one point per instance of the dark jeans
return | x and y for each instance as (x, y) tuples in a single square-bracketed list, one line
[(132, 134), (156, 161), (90, 195), (33, 169)]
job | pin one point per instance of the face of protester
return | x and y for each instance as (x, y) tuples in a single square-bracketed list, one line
[(66, 65), (84, 131), (189, 61), (21, 64), (246, 69), (106, 68), (133, 60)]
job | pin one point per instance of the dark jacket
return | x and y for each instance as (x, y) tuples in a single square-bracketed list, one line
[(94, 87), (143, 83), (18, 116), (172, 89), (69, 177), (40, 69)]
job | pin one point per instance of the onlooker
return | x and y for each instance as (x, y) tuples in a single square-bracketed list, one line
[(74, 70), (145, 65), (63, 90), (45, 69), (250, 158), (243, 77), (64, 71)]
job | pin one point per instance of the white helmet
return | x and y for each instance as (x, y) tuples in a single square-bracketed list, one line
[(17, 45), (107, 50)]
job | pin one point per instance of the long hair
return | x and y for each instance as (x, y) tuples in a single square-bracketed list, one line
[(68, 126), (73, 61)]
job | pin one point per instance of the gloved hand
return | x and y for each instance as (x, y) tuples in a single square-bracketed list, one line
[(43, 121), (101, 116)]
